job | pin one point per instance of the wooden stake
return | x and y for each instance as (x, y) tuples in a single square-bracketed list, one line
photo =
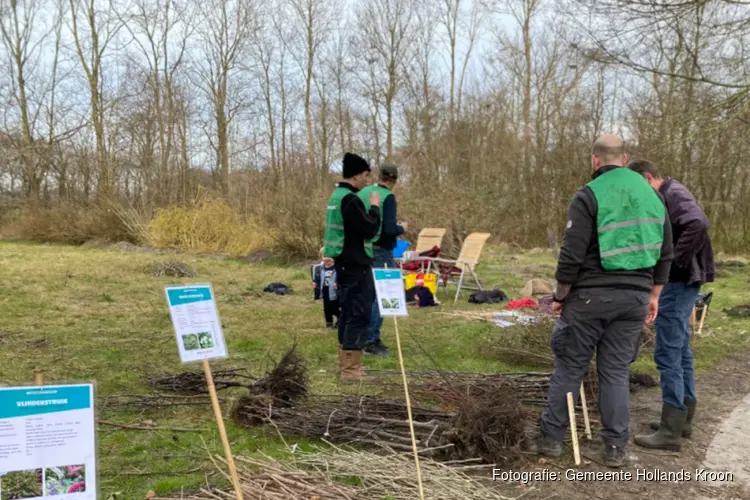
[(408, 409), (39, 376), (692, 316), (573, 430), (703, 318), (222, 429), (585, 408)]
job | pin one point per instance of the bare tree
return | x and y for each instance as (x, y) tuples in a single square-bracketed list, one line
[(386, 27), (226, 32), (18, 23), (157, 21), (93, 29), (313, 21)]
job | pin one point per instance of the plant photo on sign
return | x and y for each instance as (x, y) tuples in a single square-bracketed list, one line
[(21, 484), (386, 303), (205, 339), (191, 342), (65, 480)]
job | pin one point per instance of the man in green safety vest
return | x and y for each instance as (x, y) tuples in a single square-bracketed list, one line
[(614, 261), (384, 243), (350, 228)]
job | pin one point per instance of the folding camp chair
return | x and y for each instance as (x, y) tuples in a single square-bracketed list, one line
[(467, 260), (429, 238)]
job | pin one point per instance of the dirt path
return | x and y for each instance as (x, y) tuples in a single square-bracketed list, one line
[(720, 444)]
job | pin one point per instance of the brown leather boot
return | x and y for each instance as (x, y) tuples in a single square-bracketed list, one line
[(352, 370)]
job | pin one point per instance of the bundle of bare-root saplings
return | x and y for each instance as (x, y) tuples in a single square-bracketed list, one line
[(489, 428)]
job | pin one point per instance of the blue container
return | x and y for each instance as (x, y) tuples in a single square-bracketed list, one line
[(401, 247)]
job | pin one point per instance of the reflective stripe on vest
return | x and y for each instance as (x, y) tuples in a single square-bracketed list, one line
[(630, 220)]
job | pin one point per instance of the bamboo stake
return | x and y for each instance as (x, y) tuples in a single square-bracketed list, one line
[(408, 406), (39, 376), (222, 429), (408, 409), (703, 318), (585, 408), (573, 429)]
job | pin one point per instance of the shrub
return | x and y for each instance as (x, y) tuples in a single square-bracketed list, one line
[(76, 224), (210, 226)]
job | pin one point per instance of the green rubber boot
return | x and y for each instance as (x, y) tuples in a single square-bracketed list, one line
[(687, 431), (669, 435)]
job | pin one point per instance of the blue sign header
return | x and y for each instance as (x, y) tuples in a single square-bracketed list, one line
[(23, 402), (387, 274), (178, 296)]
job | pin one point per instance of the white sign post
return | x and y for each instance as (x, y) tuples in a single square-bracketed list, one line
[(199, 338), (389, 287), (48, 441), (196, 322), (391, 297)]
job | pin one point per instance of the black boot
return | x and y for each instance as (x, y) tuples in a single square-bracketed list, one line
[(669, 435), (614, 456), (687, 431), (543, 445)]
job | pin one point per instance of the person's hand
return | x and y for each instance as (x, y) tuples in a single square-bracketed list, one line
[(335, 286), (405, 225), (327, 261), (315, 285), (375, 199), (556, 308), (653, 309)]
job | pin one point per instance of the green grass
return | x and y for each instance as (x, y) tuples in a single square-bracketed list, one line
[(86, 314)]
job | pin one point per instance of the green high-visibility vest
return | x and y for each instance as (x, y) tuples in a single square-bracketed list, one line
[(630, 220), (334, 232), (364, 195)]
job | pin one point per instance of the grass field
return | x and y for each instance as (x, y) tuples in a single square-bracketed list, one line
[(88, 314)]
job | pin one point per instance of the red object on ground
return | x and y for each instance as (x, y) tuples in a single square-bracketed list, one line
[(521, 304)]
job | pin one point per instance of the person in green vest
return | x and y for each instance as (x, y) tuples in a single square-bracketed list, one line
[(383, 243), (614, 261), (350, 227)]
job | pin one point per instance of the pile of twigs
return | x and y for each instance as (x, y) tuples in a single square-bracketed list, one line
[(194, 382), (286, 381), (394, 475), (143, 402), (310, 476), (450, 388), (175, 269), (489, 427), (366, 420)]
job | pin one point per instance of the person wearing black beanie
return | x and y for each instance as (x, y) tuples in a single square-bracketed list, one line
[(351, 224), (355, 165)]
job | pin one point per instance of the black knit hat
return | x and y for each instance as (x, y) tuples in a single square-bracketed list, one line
[(354, 165)]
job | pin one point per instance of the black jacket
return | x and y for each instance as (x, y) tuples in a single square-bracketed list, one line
[(579, 264), (359, 225), (391, 230), (693, 255)]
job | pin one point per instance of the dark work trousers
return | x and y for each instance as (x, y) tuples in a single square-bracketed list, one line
[(330, 307), (608, 321), (356, 292)]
